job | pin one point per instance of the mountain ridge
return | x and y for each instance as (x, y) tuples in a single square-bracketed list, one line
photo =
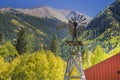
[(50, 12), (45, 11)]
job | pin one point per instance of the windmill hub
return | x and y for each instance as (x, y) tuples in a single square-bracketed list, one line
[(75, 24)]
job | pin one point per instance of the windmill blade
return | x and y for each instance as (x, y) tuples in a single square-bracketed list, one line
[(84, 23), (71, 14), (73, 19), (83, 19), (78, 17), (81, 16), (70, 21)]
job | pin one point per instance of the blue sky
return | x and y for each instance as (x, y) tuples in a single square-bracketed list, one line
[(88, 7)]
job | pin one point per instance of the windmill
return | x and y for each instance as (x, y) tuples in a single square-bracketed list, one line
[(76, 22)]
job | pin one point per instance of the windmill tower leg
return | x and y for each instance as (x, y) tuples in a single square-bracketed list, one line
[(74, 61)]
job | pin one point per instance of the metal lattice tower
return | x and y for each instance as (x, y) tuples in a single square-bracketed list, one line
[(76, 21)]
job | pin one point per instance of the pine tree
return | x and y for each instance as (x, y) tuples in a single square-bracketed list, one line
[(1, 37), (24, 42), (55, 46)]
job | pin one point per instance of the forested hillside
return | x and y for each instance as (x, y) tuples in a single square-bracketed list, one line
[(103, 33), (43, 29)]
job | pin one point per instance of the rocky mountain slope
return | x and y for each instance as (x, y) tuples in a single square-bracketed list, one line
[(46, 11)]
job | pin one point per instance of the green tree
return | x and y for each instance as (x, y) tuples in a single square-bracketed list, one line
[(12, 52), (55, 46), (1, 37), (24, 42), (4, 51), (8, 51)]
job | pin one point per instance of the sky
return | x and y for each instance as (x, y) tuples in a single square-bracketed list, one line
[(88, 7)]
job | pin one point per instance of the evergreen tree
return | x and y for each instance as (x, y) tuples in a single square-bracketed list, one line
[(1, 37), (24, 42), (55, 46), (8, 51), (12, 52)]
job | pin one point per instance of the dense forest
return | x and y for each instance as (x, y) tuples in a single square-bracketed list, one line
[(43, 29), (33, 48)]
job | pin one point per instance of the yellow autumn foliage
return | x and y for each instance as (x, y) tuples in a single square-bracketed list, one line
[(42, 65), (16, 22)]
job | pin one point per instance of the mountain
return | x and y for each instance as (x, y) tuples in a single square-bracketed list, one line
[(104, 29), (108, 19), (11, 21), (46, 11)]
